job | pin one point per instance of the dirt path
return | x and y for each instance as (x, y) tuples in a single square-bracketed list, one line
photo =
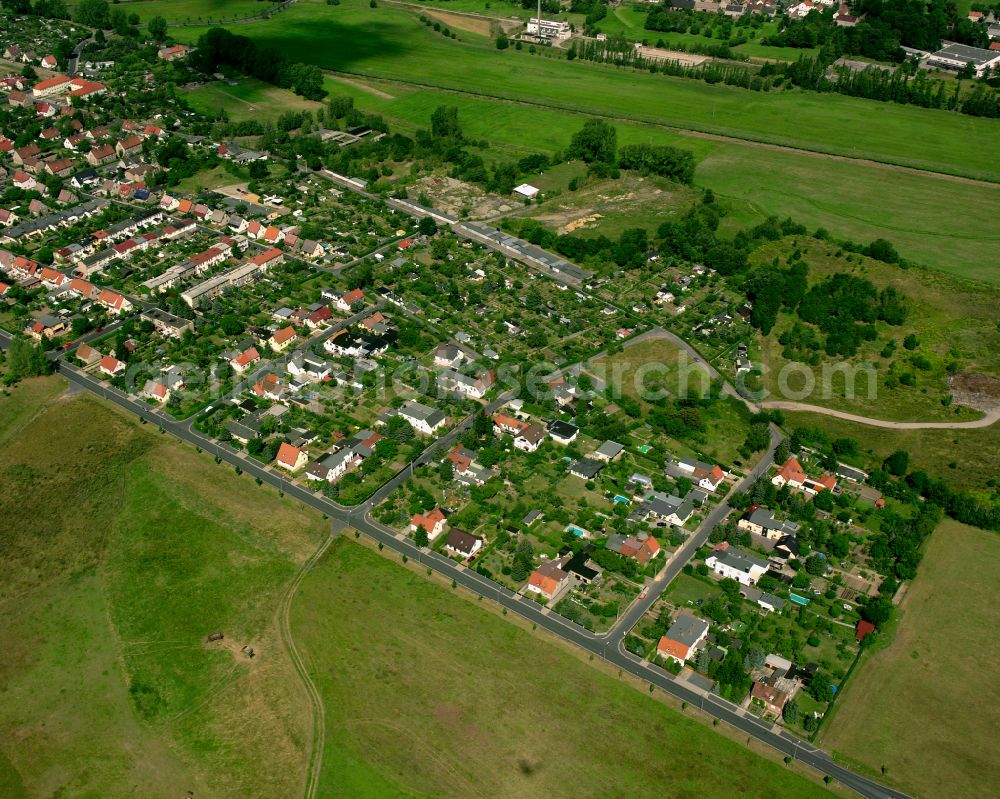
[(693, 132), (987, 420), (342, 77)]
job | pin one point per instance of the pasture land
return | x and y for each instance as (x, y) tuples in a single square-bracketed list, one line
[(121, 551), (920, 707), (193, 11), (458, 702), (391, 42)]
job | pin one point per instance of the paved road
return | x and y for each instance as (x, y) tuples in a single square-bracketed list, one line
[(601, 646), (687, 551)]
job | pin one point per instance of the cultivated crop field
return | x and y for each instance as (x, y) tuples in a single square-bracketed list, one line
[(414, 709), (390, 42), (893, 713)]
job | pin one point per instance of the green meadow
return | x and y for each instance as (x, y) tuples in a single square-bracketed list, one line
[(391, 42)]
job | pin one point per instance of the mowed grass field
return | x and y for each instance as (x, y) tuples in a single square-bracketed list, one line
[(390, 42), (428, 694), (120, 551), (925, 707)]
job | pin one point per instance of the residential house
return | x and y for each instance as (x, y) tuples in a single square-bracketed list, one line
[(608, 451), (103, 154), (308, 367), (46, 326), (421, 418), (761, 521), (563, 432), (111, 366), (128, 146), (790, 473), (586, 468), (172, 53), (682, 639), (461, 543), (432, 522), (245, 360), (474, 387), (87, 355), (772, 698), (347, 301), (549, 579), (737, 564), (448, 356), (290, 458), (643, 547), (703, 474), (281, 339), (664, 508)]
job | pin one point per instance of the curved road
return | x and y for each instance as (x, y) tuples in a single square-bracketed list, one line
[(606, 646), (990, 418)]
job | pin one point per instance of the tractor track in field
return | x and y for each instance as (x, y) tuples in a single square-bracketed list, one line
[(318, 737)]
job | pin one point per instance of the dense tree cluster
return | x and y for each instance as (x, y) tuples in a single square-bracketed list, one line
[(219, 48), (658, 159), (25, 359)]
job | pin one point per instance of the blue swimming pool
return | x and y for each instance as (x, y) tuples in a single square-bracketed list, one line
[(801, 600)]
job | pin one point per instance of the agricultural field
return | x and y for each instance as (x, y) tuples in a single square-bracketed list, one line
[(390, 42), (890, 718), (427, 725), (958, 341), (108, 597)]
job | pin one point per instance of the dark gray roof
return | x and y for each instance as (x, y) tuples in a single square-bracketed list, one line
[(687, 629)]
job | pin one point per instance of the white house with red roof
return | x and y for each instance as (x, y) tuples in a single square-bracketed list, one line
[(245, 360), (346, 301), (111, 366), (432, 522), (290, 458)]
